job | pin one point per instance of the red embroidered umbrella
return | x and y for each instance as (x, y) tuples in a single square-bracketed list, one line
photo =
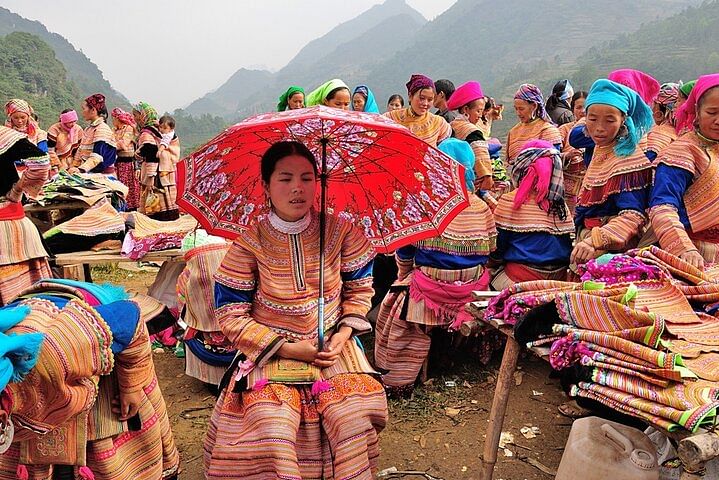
[(373, 172)]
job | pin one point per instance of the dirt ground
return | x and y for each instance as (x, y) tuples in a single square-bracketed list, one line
[(439, 431)]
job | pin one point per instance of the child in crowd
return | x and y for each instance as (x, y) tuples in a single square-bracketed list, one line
[(167, 129)]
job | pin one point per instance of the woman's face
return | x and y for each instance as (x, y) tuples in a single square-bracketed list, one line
[(137, 116), (341, 100), (422, 100), (708, 114), (603, 123), (297, 100), (579, 108), (680, 100), (88, 113), (657, 113), (395, 104), (474, 111), (19, 120), (525, 110), (116, 123), (358, 102), (292, 187)]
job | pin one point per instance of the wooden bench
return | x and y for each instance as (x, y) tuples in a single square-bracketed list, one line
[(76, 265)]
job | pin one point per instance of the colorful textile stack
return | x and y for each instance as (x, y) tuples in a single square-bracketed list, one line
[(89, 188), (640, 327), (153, 235), (97, 224)]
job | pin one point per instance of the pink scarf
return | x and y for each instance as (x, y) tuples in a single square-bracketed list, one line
[(537, 178), (68, 117), (446, 299)]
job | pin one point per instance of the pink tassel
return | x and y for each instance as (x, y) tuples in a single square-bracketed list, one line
[(320, 386), (21, 472), (260, 384), (86, 473)]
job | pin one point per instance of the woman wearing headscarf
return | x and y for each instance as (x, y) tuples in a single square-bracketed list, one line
[(63, 140), (534, 122), (19, 118), (124, 130), (643, 84), (23, 259), (363, 100), (610, 214), (97, 152), (157, 201), (292, 99), (436, 280), (427, 126), (685, 89), (334, 94), (664, 130), (557, 106), (534, 225), (468, 101), (574, 159), (684, 206)]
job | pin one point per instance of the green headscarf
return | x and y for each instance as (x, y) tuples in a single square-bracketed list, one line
[(285, 97), (318, 96), (686, 88), (148, 114)]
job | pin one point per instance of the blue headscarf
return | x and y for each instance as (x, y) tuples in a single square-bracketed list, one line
[(639, 119), (461, 152), (370, 105)]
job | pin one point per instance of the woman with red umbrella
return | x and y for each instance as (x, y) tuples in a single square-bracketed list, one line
[(288, 409)]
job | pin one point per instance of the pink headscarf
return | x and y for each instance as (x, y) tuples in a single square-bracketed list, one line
[(123, 116), (687, 113), (464, 94), (644, 84), (68, 117)]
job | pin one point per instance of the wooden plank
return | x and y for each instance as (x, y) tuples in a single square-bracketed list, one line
[(73, 272), (114, 256)]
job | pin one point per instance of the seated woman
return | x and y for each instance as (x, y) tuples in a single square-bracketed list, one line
[(363, 100), (664, 131), (534, 123), (335, 94), (534, 226), (292, 99), (685, 199), (468, 101), (63, 139), (288, 410), (431, 128), (23, 259), (438, 275), (610, 214)]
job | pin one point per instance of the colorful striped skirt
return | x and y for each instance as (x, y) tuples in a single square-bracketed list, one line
[(283, 431), (126, 174), (16, 277)]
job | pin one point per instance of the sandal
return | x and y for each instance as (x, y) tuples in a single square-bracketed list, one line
[(573, 410)]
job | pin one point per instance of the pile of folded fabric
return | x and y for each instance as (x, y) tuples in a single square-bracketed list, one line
[(148, 235), (99, 227), (89, 188), (639, 329)]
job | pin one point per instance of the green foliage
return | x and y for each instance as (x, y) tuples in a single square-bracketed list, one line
[(30, 71), (194, 131)]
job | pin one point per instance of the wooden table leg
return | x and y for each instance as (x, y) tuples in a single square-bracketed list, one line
[(499, 407), (73, 272)]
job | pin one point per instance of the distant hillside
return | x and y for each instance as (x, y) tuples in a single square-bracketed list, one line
[(224, 101), (30, 71), (80, 69), (194, 131)]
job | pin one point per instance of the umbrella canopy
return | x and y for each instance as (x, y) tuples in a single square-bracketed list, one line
[(392, 185)]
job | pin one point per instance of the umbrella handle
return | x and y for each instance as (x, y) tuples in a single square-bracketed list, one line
[(321, 325)]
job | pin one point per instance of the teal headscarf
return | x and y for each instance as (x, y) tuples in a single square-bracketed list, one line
[(318, 95), (461, 152), (370, 105), (285, 97), (639, 119), (18, 353)]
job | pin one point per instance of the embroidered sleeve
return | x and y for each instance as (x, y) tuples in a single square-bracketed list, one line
[(618, 231), (551, 134), (482, 165), (356, 268), (134, 364), (669, 230), (38, 165), (445, 131), (405, 260), (235, 284)]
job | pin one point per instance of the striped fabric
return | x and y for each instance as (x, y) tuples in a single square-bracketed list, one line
[(97, 131), (19, 241), (660, 137), (429, 127), (529, 217), (125, 140), (537, 129), (99, 219), (17, 277), (62, 153), (462, 128), (574, 171), (125, 164), (609, 174)]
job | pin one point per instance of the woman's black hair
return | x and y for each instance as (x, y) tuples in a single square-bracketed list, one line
[(333, 92), (283, 149), (577, 96), (394, 97), (66, 111)]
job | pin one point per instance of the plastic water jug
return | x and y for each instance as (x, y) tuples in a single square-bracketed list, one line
[(598, 449)]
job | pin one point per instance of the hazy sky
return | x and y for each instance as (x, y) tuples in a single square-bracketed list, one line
[(169, 53)]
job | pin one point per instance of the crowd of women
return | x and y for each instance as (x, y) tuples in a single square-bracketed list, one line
[(629, 163)]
